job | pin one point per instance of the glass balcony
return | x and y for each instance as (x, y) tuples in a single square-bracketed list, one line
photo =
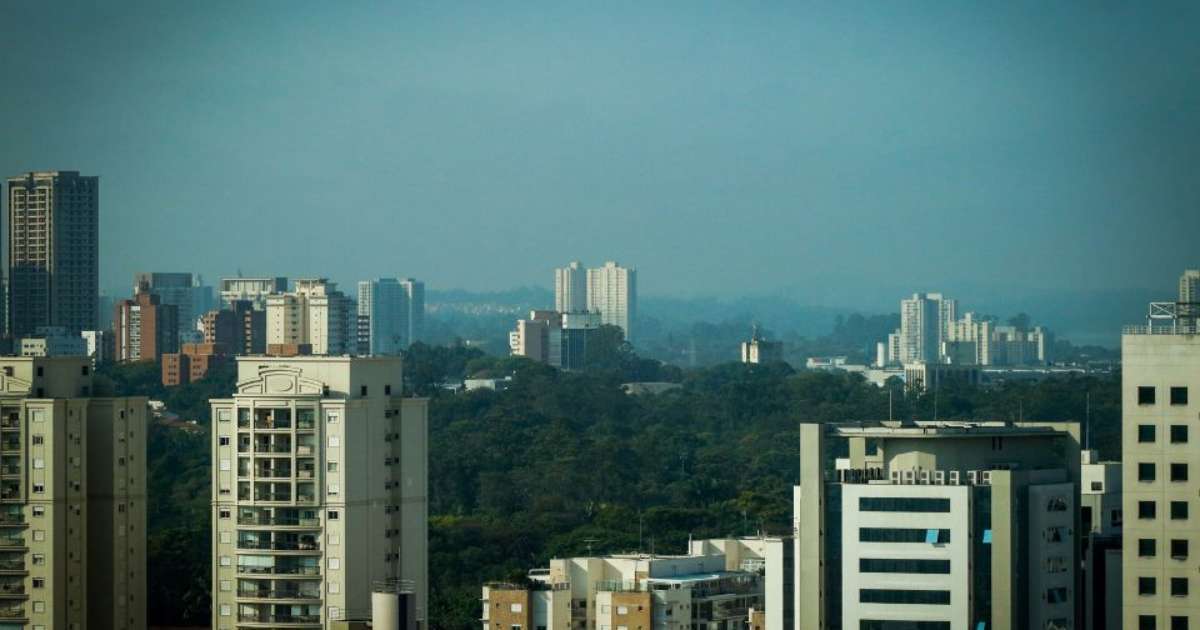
[(306, 419), (272, 419)]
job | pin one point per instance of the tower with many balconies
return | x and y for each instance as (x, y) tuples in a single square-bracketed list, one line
[(319, 490)]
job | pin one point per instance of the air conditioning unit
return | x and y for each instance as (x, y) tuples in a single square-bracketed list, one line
[(986, 477), (895, 476), (909, 476)]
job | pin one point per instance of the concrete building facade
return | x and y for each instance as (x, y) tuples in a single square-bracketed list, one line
[(1160, 400), (253, 290), (944, 525), (315, 313), (319, 491), (174, 289), (72, 499), (144, 328), (925, 322), (393, 314), (53, 270), (570, 288)]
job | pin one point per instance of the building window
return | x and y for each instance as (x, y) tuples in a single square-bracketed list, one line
[(1146, 509), (362, 391), (1179, 623), (225, 514), (335, 564), (1179, 434), (39, 607), (226, 610), (39, 582), (872, 565), (1056, 595), (1145, 395), (903, 504), (1179, 587), (223, 440), (1179, 510), (1146, 548), (1147, 622), (39, 559), (900, 535), (1145, 433), (1178, 395), (1147, 586), (1179, 472), (1145, 472), (515, 607), (387, 390), (331, 467), (37, 440), (1179, 549), (332, 515), (902, 596)]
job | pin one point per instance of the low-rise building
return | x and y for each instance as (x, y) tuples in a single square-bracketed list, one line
[(557, 339)]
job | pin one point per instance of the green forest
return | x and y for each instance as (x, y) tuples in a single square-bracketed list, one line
[(564, 462)]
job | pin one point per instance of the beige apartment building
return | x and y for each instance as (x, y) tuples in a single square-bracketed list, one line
[(319, 492), (1160, 404), (315, 313), (938, 526), (72, 499)]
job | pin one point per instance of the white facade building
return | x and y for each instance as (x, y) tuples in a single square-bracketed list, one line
[(570, 288), (253, 290), (316, 313), (925, 321), (319, 491), (612, 292)]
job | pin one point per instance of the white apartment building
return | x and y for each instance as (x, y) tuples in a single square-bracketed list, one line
[(612, 292), (1160, 401), (942, 526), (315, 313), (253, 290), (319, 492), (570, 288), (925, 322)]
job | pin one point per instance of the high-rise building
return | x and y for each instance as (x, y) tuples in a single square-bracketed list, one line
[(1160, 378), (319, 491), (413, 323), (255, 290), (144, 328), (72, 499), (53, 251), (557, 339), (1101, 519), (1189, 287), (383, 303), (51, 341), (315, 313), (612, 292), (759, 350), (240, 328), (942, 525), (570, 288), (925, 322), (174, 289)]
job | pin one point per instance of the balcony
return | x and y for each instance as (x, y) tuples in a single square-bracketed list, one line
[(273, 473), (14, 564), (278, 545), (279, 521), (274, 619), (10, 470), (281, 569), (278, 593), (306, 420), (266, 447), (266, 495), (272, 419), (9, 446), (10, 423), (12, 612), (12, 589)]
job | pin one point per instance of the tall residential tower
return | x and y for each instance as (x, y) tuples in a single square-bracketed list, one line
[(570, 288), (612, 292)]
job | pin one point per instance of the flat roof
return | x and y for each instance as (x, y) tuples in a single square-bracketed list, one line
[(946, 428)]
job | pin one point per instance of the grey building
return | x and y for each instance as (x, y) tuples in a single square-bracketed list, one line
[(53, 251)]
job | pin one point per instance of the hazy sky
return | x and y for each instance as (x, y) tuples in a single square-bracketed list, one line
[(751, 147)]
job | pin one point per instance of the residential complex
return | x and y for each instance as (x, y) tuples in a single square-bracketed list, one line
[(937, 525), (144, 328), (925, 321), (315, 313), (1160, 400), (612, 292), (254, 290), (240, 328), (53, 252), (930, 332), (570, 288), (715, 585), (554, 338), (319, 491), (192, 362), (72, 499)]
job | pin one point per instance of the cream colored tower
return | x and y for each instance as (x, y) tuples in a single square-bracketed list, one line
[(1160, 400), (72, 499), (319, 490)]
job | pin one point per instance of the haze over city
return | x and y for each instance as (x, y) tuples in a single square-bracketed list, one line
[(835, 155)]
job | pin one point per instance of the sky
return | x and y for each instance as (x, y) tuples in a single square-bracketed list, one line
[(828, 152)]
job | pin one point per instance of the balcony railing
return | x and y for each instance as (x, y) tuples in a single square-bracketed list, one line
[(284, 593), (272, 448), (284, 521), (12, 565), (273, 473), (280, 570), (12, 588), (268, 618), (10, 423), (10, 469), (278, 545), (273, 423), (10, 445), (12, 612)]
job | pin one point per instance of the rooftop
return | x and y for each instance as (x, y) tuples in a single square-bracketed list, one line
[(945, 429), (1168, 318)]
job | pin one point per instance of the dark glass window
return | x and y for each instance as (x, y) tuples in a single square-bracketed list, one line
[(900, 596), (1179, 549), (1145, 433), (874, 624), (1147, 622), (1179, 510), (1179, 472), (1179, 623), (903, 504), (1179, 434), (879, 565), (1145, 395), (1179, 587), (1146, 471), (1147, 586), (1178, 395), (1146, 509), (900, 535), (1147, 548)]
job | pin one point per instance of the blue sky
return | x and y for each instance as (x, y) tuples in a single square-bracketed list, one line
[(822, 151)]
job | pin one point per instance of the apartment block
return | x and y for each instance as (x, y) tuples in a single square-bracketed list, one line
[(570, 288), (192, 362), (319, 491), (174, 289), (51, 341), (53, 269), (253, 290), (612, 293), (316, 313), (392, 313), (925, 322), (557, 339), (1101, 517), (144, 328), (240, 328), (713, 586), (72, 499), (1160, 402), (937, 525)]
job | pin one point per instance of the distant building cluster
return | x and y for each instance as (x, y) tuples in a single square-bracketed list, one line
[(931, 332), (584, 300)]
